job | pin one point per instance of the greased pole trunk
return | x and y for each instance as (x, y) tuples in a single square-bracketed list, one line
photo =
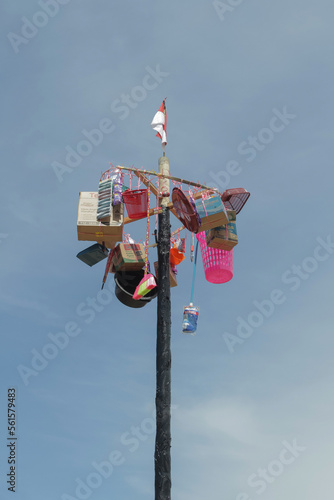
[(162, 456)]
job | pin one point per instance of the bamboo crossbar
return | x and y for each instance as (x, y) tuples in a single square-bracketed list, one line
[(177, 179), (145, 181)]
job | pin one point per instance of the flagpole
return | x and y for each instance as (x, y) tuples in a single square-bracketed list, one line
[(162, 456)]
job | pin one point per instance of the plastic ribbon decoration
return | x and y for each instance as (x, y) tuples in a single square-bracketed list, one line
[(147, 226), (148, 282)]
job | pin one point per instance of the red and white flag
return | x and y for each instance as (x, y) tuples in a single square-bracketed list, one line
[(159, 124)]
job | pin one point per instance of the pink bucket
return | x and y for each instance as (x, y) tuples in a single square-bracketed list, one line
[(218, 264)]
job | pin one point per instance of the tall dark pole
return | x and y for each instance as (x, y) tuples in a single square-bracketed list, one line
[(163, 395)]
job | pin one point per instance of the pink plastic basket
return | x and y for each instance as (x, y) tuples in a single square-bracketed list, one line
[(136, 203), (218, 264)]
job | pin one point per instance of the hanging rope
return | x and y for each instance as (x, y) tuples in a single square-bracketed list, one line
[(192, 247), (147, 227), (148, 281), (194, 274)]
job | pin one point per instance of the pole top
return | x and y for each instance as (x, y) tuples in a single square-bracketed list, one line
[(164, 183)]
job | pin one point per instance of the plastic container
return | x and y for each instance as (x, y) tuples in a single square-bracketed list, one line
[(176, 257), (218, 264), (136, 203), (234, 199), (126, 284)]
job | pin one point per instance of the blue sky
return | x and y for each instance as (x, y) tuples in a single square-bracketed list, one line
[(249, 100)]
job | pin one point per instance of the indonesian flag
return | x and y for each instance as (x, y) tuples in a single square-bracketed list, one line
[(159, 124)]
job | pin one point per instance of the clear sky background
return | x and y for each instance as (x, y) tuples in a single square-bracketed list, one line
[(243, 397)]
